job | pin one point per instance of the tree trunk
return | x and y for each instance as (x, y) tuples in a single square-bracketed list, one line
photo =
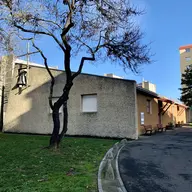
[(2, 108), (65, 121), (62, 101), (56, 127)]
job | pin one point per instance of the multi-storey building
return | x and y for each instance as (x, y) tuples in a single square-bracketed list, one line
[(185, 57)]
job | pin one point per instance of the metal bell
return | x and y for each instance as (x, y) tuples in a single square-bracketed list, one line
[(22, 79)]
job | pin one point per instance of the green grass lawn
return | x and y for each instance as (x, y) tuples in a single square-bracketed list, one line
[(26, 167)]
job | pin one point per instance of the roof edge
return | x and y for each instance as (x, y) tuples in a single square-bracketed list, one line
[(100, 76), (185, 47), (146, 91)]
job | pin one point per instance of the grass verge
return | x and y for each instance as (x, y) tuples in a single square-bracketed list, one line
[(26, 167)]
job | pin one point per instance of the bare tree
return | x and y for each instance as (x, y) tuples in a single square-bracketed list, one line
[(98, 28), (5, 42)]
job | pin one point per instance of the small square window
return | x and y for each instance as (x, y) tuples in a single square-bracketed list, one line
[(187, 50), (187, 58), (89, 103)]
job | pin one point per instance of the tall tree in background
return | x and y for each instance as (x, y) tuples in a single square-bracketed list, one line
[(6, 41), (186, 90), (95, 28)]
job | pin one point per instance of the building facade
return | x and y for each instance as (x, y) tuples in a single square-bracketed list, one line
[(154, 109), (98, 106), (185, 57), (186, 62)]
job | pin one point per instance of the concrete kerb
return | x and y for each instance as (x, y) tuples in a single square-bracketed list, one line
[(109, 179)]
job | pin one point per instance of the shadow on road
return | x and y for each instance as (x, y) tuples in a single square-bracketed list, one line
[(160, 163)]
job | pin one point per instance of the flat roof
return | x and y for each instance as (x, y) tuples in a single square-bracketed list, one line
[(23, 62), (185, 47), (139, 89)]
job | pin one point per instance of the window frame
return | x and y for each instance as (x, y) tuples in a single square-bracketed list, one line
[(142, 118), (187, 50), (149, 106), (84, 95), (187, 59)]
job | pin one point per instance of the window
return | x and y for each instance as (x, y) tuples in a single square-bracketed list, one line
[(89, 103), (54, 99), (142, 118), (177, 107), (187, 58), (187, 50), (149, 108), (189, 66)]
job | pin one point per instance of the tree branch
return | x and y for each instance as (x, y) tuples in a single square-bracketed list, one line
[(68, 24), (48, 70), (39, 32), (48, 21), (99, 42), (66, 29), (83, 59), (31, 53)]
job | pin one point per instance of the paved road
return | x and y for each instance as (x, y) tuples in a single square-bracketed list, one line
[(158, 163)]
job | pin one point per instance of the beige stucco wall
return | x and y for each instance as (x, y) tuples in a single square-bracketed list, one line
[(149, 119), (173, 115), (189, 115), (181, 115), (169, 115), (117, 110)]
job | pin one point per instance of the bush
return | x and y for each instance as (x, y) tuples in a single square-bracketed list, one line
[(170, 124)]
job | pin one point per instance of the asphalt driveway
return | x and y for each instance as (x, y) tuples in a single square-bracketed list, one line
[(162, 162)]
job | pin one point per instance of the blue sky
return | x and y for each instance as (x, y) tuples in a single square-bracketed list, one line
[(167, 24)]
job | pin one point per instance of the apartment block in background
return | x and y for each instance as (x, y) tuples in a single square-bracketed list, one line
[(186, 62), (185, 57)]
